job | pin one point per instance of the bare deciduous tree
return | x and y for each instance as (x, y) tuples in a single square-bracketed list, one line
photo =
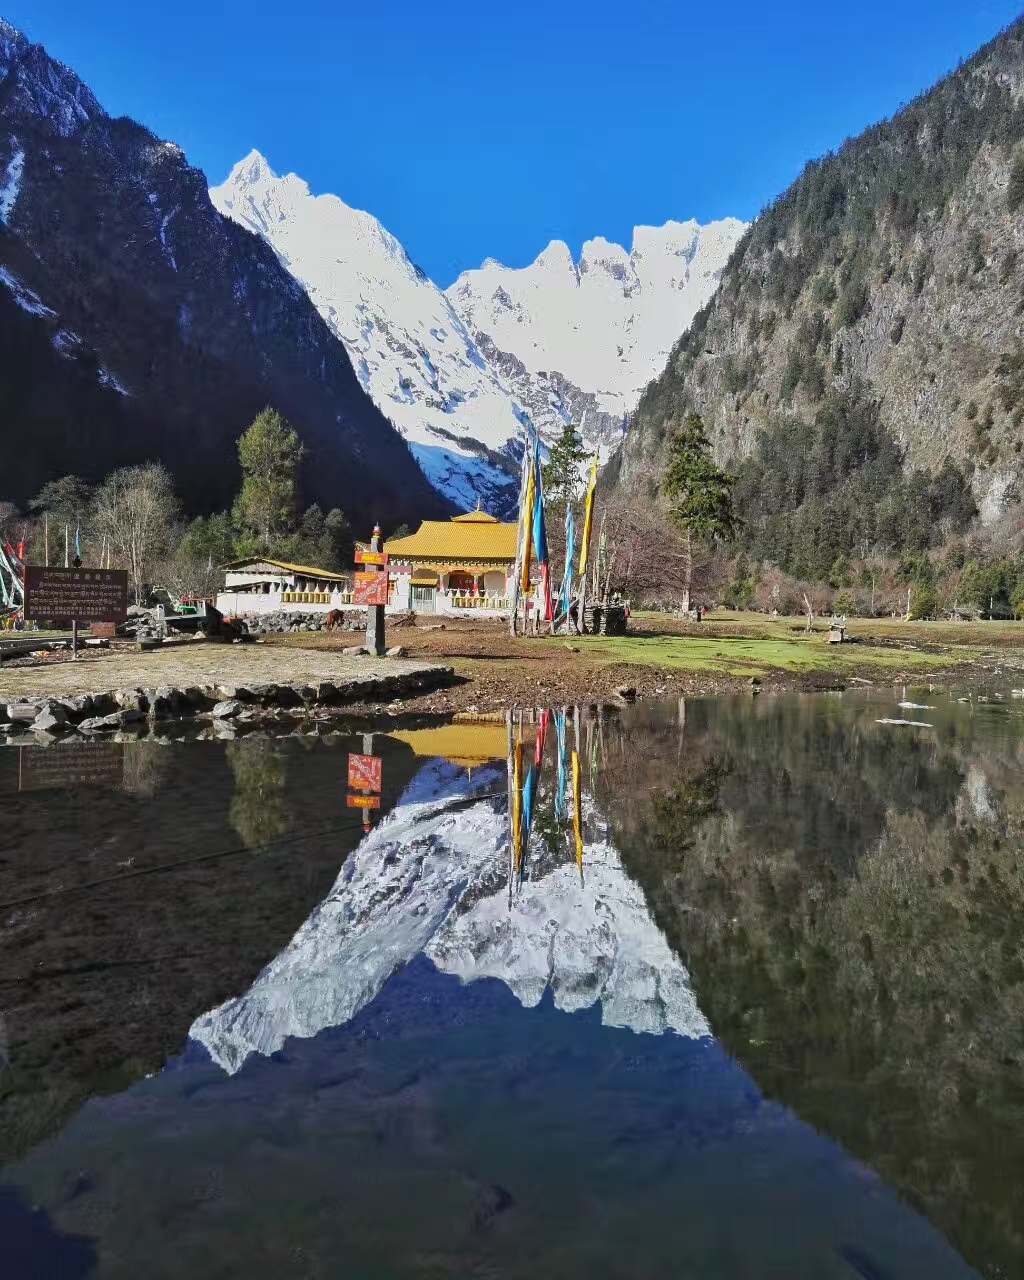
[(191, 578), (135, 508)]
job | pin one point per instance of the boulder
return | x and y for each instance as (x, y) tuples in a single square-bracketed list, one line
[(355, 651), (52, 719), (22, 712), (326, 693), (101, 724), (103, 704), (227, 710), (230, 691), (131, 699), (165, 702), (129, 716), (398, 651), (78, 707)]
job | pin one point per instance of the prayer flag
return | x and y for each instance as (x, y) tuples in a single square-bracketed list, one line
[(588, 517), (577, 810)]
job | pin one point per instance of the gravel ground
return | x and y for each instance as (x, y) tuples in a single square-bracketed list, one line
[(192, 663)]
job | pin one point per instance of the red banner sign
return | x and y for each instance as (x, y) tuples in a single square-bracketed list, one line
[(364, 772), (370, 589), (364, 802), (371, 557)]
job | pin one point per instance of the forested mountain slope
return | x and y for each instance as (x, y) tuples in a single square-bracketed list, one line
[(137, 323), (861, 364)]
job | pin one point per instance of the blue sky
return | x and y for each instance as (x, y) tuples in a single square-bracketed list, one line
[(477, 129)]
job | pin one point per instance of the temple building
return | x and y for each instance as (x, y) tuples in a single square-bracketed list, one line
[(262, 585), (449, 566)]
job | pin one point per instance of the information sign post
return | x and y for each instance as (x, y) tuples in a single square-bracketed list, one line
[(75, 593), (371, 589)]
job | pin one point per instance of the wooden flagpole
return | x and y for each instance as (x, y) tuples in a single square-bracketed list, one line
[(513, 611)]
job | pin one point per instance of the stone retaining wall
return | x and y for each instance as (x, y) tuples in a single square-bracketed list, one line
[(94, 714)]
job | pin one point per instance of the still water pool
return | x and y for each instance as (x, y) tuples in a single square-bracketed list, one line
[(724, 988)]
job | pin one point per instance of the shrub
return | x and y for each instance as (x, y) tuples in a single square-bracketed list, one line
[(924, 601), (1015, 188)]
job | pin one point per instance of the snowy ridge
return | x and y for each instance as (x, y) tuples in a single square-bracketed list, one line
[(48, 88), (435, 882), (408, 346), (11, 186), (455, 371), (608, 322)]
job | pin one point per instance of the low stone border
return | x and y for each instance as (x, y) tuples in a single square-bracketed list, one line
[(92, 714)]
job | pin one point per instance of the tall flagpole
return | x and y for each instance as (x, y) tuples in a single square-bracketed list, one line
[(520, 544), (588, 528)]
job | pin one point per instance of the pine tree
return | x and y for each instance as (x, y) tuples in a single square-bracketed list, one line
[(264, 511), (563, 478), (699, 493)]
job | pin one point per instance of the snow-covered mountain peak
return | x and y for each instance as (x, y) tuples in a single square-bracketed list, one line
[(407, 344), (606, 324), (559, 340)]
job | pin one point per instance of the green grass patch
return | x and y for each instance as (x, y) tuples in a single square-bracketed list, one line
[(745, 656)]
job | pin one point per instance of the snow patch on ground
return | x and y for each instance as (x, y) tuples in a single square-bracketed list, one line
[(111, 380), (25, 298), (11, 187)]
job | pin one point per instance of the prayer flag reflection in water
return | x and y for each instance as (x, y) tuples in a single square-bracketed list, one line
[(730, 989)]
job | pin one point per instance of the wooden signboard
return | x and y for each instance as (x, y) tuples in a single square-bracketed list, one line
[(94, 595), (364, 772), (370, 589), (364, 802), (371, 557)]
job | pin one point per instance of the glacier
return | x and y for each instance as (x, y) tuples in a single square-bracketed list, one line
[(457, 370), (433, 880)]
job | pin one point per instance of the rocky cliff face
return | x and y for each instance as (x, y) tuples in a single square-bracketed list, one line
[(890, 272), (136, 322)]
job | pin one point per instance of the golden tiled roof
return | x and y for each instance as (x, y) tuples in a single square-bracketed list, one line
[(476, 537), (475, 517), (305, 570)]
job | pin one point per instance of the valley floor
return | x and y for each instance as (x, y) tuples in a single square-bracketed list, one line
[(728, 652)]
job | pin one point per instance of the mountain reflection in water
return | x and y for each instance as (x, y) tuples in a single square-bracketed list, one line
[(788, 936)]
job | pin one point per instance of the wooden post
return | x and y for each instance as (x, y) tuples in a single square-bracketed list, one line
[(376, 639)]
